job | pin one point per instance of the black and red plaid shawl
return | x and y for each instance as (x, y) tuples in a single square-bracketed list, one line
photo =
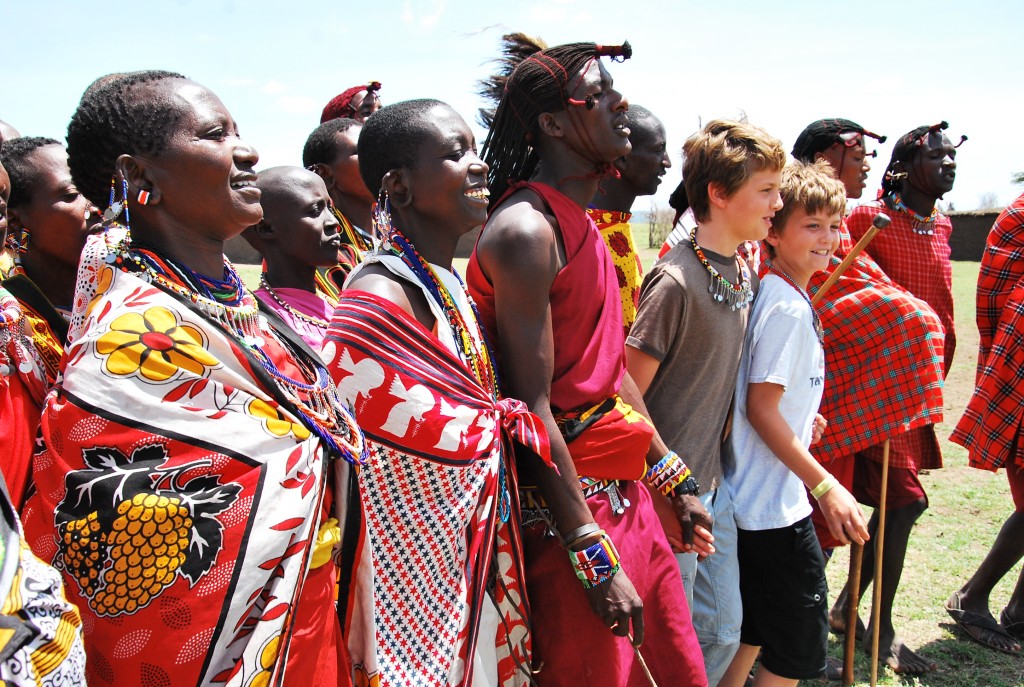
[(883, 361), (991, 425)]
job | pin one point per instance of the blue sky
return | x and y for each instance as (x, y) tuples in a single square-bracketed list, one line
[(890, 66)]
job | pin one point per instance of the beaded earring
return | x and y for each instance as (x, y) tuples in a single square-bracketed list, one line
[(381, 216), (117, 205)]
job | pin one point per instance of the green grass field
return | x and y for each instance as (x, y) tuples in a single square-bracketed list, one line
[(967, 508)]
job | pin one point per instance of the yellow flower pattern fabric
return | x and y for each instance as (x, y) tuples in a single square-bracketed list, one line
[(618, 236), (274, 422), (154, 345)]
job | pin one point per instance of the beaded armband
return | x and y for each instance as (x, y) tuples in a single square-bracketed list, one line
[(670, 474), (597, 563)]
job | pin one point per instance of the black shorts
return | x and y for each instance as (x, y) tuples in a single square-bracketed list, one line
[(785, 599)]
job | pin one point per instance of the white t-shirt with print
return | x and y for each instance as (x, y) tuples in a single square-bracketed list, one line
[(782, 348)]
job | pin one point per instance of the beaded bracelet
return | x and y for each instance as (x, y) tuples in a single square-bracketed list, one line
[(597, 563), (824, 487), (668, 474)]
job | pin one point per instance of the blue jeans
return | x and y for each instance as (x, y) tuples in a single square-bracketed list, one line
[(713, 588)]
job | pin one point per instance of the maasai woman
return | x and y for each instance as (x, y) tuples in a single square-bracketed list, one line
[(42, 637), (186, 484), (298, 234), (357, 102), (439, 599), (49, 222)]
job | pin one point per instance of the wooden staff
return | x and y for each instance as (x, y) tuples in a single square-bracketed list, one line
[(880, 222), (876, 606), (643, 663)]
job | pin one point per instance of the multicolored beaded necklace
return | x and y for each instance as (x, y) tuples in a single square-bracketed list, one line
[(235, 309), (923, 226), (16, 349), (477, 357), (818, 329), (738, 295), (309, 319)]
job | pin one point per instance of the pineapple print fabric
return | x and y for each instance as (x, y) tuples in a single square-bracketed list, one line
[(180, 499)]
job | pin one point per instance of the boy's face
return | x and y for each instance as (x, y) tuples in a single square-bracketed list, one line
[(749, 211), (805, 243), (305, 229)]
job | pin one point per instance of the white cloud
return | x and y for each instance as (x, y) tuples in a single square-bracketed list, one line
[(423, 15), (273, 87), (297, 104)]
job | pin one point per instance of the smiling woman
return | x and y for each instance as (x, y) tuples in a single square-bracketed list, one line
[(209, 435)]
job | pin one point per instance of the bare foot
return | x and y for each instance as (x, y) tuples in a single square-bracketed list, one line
[(901, 658), (837, 623)]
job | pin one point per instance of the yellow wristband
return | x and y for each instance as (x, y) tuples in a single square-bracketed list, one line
[(825, 487)]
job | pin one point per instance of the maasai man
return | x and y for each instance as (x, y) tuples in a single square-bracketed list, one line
[(991, 429), (872, 326), (330, 152), (298, 233), (437, 595), (546, 288), (186, 482), (358, 103), (640, 174), (914, 252), (49, 221), (42, 632)]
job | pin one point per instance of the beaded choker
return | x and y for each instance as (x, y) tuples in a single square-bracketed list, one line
[(229, 304), (923, 226), (818, 329), (309, 319), (738, 295), (16, 349)]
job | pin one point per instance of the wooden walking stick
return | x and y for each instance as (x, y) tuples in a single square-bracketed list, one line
[(642, 662), (876, 605), (880, 222)]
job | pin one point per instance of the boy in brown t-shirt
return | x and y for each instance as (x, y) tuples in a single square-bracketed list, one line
[(684, 349)]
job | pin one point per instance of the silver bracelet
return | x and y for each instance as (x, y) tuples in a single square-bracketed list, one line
[(580, 532)]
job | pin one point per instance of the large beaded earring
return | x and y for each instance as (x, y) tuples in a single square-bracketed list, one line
[(382, 216), (117, 205)]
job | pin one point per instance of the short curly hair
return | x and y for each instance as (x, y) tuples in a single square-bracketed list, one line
[(320, 146), (113, 119), (14, 155), (390, 138)]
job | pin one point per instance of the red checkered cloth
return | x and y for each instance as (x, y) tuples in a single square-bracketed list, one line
[(917, 262), (991, 426), (1002, 266), (883, 364)]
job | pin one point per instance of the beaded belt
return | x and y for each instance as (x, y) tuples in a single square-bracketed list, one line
[(535, 510)]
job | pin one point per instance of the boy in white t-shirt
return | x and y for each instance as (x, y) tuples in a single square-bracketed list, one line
[(782, 569)]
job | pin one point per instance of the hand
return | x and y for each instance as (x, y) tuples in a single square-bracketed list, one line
[(820, 423), (616, 603), (669, 520), (844, 516), (696, 525)]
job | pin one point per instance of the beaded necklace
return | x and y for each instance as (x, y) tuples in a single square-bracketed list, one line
[(818, 329), (478, 357), (348, 230), (16, 349), (738, 295), (235, 309), (309, 319), (922, 226)]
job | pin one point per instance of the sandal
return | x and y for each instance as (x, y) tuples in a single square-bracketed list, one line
[(1013, 628), (981, 628)]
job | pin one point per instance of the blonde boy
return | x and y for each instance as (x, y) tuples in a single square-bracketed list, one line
[(782, 371), (684, 350)]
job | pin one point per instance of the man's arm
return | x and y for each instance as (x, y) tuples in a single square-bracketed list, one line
[(521, 256)]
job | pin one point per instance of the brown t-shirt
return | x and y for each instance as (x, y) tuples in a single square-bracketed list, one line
[(698, 342)]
